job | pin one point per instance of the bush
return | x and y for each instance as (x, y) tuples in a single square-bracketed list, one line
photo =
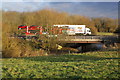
[(14, 47), (11, 48)]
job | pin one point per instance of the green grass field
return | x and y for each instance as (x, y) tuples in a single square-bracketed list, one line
[(102, 64), (104, 33)]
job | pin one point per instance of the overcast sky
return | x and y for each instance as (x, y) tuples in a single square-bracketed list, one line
[(86, 8)]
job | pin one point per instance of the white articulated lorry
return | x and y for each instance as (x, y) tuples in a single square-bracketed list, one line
[(75, 29)]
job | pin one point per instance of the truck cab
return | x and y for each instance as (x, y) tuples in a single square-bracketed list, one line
[(87, 31)]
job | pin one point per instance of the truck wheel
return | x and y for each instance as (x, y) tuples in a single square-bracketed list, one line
[(84, 34), (87, 34)]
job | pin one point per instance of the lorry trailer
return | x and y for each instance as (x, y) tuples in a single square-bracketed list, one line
[(75, 29)]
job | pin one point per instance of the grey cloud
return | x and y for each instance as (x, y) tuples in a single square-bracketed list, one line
[(60, 0), (86, 9), (91, 10), (23, 6)]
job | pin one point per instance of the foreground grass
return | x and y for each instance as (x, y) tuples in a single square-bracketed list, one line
[(102, 64), (104, 33)]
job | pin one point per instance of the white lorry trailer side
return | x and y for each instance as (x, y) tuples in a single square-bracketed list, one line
[(76, 29)]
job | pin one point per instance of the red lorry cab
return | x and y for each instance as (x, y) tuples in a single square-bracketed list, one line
[(22, 27)]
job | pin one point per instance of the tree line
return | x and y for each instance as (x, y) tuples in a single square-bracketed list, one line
[(50, 17)]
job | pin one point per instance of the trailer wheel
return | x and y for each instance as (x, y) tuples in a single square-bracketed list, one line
[(84, 34)]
